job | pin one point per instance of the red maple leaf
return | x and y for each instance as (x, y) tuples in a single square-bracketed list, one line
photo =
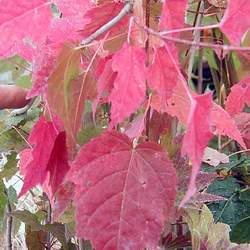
[(179, 105), (123, 193), (47, 160), (162, 74), (68, 91), (129, 86), (43, 64), (63, 197), (173, 14), (73, 11), (242, 121), (236, 20), (223, 124), (24, 26), (99, 15), (106, 77), (239, 96), (58, 166), (196, 138)]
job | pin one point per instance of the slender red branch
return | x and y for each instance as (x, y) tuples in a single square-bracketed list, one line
[(193, 43)]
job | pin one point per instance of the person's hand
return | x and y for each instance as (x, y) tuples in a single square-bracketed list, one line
[(12, 97)]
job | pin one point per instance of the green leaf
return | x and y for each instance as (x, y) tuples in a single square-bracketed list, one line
[(28, 218), (12, 69), (87, 134), (12, 195), (226, 187), (3, 202), (24, 81), (10, 168), (245, 195), (8, 121), (241, 231), (11, 140), (232, 210), (210, 56)]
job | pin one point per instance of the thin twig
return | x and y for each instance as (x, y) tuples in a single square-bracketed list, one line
[(203, 44), (239, 152), (226, 144), (193, 48), (24, 109), (8, 224), (188, 42), (213, 26), (125, 10), (147, 111), (200, 72), (20, 134), (48, 221)]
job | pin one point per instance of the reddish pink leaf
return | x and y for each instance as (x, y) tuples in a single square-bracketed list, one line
[(98, 15), (61, 30), (242, 121), (162, 75), (136, 127), (236, 20), (58, 163), (46, 163), (129, 86), (106, 78), (123, 193), (73, 11), (239, 96), (204, 179), (179, 104), (223, 124), (67, 92), (43, 64), (205, 197), (181, 99), (42, 138), (196, 138), (63, 197), (173, 14), (25, 159), (23, 26), (72, 20)]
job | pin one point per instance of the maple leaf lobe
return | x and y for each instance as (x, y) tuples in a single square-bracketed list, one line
[(124, 193)]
